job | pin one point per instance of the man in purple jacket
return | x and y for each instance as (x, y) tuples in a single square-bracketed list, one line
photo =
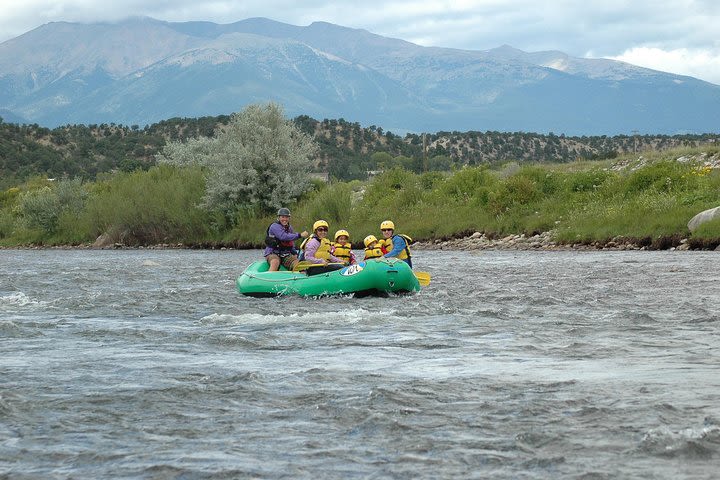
[(280, 241)]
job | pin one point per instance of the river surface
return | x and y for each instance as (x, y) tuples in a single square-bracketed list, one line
[(149, 364)]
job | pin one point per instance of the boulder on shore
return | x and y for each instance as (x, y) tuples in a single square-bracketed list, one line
[(103, 241), (703, 217)]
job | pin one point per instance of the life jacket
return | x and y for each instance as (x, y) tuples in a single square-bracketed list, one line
[(342, 251), (373, 252), (323, 251), (387, 244), (272, 242)]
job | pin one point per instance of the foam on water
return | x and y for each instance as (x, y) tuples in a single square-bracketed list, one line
[(538, 365), (690, 443), (17, 299), (348, 315)]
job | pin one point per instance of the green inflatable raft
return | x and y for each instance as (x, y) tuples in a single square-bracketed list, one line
[(374, 277)]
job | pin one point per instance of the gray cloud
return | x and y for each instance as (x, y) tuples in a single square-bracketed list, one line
[(644, 31)]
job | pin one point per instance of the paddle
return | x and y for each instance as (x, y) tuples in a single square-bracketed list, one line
[(304, 265), (423, 278)]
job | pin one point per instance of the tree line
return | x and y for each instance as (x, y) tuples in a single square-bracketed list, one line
[(224, 188), (347, 150)]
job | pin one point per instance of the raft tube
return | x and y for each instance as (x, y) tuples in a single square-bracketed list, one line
[(373, 277)]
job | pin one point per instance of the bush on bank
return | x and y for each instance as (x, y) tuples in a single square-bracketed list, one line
[(579, 203), (138, 208)]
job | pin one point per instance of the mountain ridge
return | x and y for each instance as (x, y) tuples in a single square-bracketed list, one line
[(142, 70)]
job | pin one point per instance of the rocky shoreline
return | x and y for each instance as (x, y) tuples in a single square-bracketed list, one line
[(545, 241), (475, 241)]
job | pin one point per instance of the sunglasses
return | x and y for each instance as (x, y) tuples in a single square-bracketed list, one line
[(322, 229), (386, 229)]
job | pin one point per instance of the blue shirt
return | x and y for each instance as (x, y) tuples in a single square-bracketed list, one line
[(398, 246)]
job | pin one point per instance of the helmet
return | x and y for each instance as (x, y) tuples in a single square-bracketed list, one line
[(387, 224), (369, 239), (284, 212), (320, 223), (340, 233)]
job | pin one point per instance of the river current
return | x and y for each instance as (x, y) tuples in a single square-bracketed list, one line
[(149, 364)]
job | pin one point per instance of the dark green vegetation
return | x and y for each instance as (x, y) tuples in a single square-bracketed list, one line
[(86, 151), (347, 150), (104, 182), (580, 203)]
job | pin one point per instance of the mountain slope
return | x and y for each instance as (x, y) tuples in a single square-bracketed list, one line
[(141, 71)]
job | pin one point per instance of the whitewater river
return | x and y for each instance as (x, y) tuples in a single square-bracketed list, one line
[(149, 364)]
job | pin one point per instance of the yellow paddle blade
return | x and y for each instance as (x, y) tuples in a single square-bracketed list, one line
[(423, 278), (304, 265)]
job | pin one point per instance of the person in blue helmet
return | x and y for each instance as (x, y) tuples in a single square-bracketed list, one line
[(280, 242)]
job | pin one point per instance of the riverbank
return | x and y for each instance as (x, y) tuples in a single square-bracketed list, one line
[(633, 203), (545, 241), (474, 241)]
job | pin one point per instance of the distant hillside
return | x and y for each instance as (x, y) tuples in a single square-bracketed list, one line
[(141, 70), (347, 150)]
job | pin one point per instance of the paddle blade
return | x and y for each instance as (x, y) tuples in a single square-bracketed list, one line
[(304, 265), (423, 278), (299, 266)]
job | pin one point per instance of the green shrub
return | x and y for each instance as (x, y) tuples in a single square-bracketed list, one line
[(333, 204), (586, 181), (147, 207), (430, 180), (665, 176), (40, 209), (545, 181), (7, 224), (390, 191), (468, 183), (9, 196)]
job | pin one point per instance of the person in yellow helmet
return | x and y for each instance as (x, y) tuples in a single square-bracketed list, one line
[(395, 244), (317, 248), (372, 248), (342, 248)]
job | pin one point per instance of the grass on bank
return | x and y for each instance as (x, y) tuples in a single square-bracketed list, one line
[(580, 202)]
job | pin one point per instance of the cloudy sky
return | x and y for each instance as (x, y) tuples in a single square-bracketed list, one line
[(678, 36)]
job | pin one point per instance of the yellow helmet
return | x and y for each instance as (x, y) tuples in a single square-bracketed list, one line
[(340, 233), (387, 224), (320, 223), (369, 240)]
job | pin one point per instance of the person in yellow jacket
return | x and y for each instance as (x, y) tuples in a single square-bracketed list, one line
[(372, 248), (342, 248), (317, 248), (395, 244)]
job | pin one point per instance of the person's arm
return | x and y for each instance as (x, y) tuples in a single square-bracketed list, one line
[(398, 246), (279, 232), (310, 249)]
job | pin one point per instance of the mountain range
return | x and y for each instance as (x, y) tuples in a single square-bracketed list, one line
[(141, 71)]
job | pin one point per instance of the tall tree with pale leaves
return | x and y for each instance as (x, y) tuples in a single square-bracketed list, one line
[(259, 160)]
